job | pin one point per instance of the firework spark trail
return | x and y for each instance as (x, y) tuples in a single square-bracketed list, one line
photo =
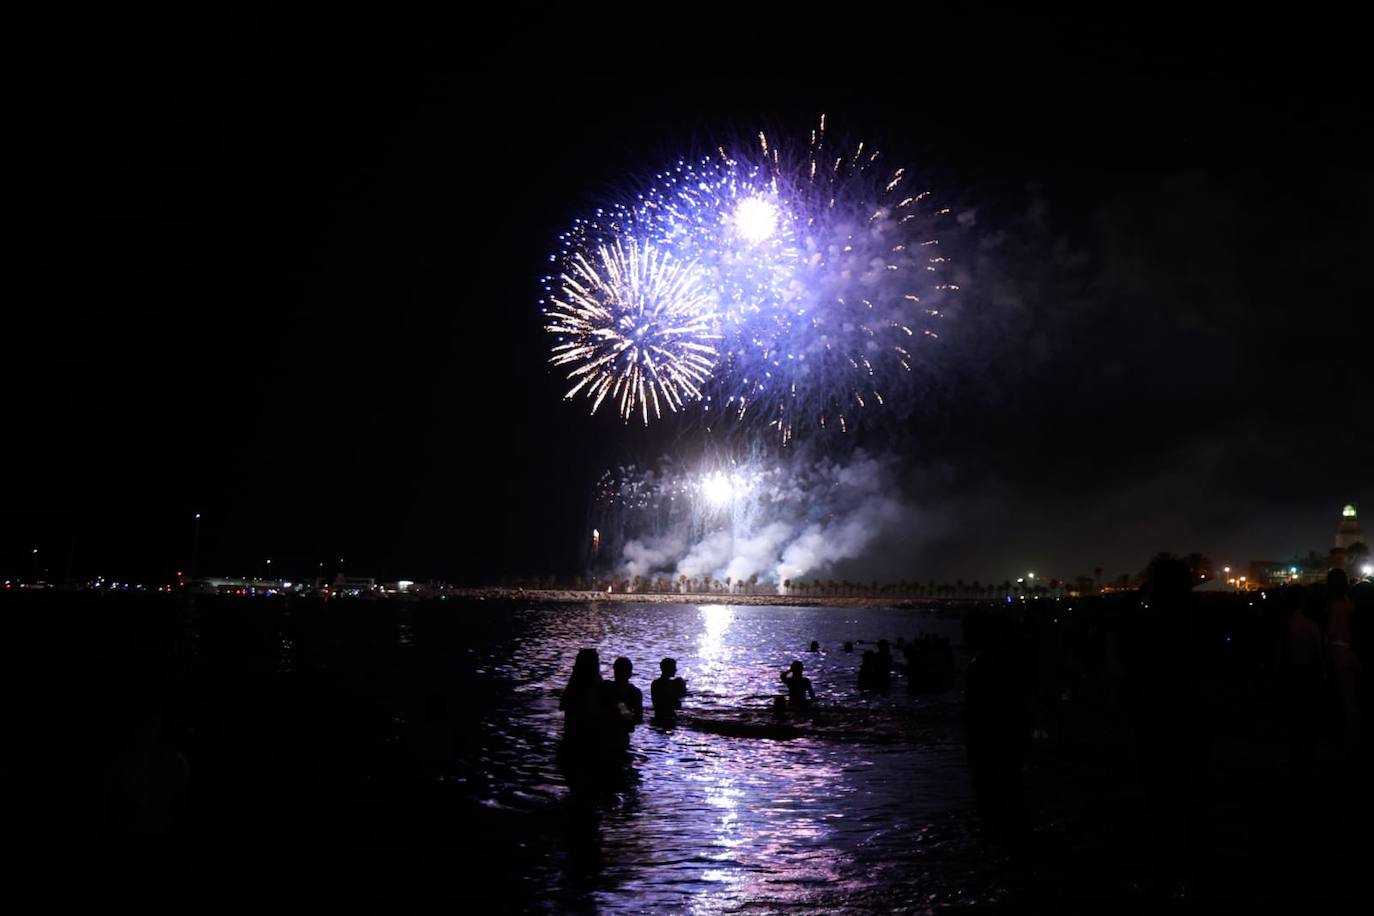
[(635, 325)]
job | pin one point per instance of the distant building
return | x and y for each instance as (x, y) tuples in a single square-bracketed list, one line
[(353, 586), (1272, 574), (1348, 531), (220, 585)]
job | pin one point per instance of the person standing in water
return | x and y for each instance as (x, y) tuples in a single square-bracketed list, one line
[(667, 691), (628, 702), (799, 692), (583, 704)]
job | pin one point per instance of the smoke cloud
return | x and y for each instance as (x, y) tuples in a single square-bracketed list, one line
[(777, 519)]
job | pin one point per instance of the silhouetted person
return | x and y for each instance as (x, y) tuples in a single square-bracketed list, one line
[(1345, 664), (584, 705), (1300, 678), (1163, 687), (815, 646), (1361, 619), (627, 702), (148, 784), (667, 691), (885, 659), (799, 692), (848, 646), (871, 676), (929, 663), (998, 725), (140, 807)]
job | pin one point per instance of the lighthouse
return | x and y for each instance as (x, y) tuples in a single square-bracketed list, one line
[(1348, 531)]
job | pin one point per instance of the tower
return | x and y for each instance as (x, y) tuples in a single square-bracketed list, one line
[(1348, 531)]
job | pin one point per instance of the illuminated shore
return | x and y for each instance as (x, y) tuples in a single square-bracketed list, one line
[(572, 596)]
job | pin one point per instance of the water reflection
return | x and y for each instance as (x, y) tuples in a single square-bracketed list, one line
[(713, 655), (719, 823)]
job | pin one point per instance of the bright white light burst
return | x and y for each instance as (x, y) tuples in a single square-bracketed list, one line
[(719, 489), (756, 219)]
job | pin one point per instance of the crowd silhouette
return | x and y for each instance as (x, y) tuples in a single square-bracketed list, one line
[(1184, 681), (1164, 672)]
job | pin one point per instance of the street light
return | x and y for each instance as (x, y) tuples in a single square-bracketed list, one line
[(195, 546)]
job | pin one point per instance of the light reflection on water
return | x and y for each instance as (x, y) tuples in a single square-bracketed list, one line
[(711, 823)]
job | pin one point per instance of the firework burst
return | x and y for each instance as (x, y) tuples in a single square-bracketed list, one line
[(864, 292), (824, 272), (636, 325)]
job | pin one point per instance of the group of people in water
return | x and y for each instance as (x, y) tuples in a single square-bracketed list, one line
[(600, 715)]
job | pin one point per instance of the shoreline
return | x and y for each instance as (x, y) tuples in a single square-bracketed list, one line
[(574, 596)]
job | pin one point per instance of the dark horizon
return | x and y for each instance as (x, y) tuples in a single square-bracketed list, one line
[(284, 274)]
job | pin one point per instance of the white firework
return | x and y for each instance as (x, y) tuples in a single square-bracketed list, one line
[(637, 325)]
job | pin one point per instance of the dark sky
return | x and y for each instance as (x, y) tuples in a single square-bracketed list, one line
[(283, 272)]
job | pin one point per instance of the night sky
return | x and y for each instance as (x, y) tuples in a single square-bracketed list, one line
[(284, 272)]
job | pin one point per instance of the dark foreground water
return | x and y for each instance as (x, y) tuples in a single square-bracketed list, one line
[(387, 758), (256, 756), (879, 816)]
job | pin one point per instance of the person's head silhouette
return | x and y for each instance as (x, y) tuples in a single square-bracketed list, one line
[(1337, 583), (623, 668), (587, 664)]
